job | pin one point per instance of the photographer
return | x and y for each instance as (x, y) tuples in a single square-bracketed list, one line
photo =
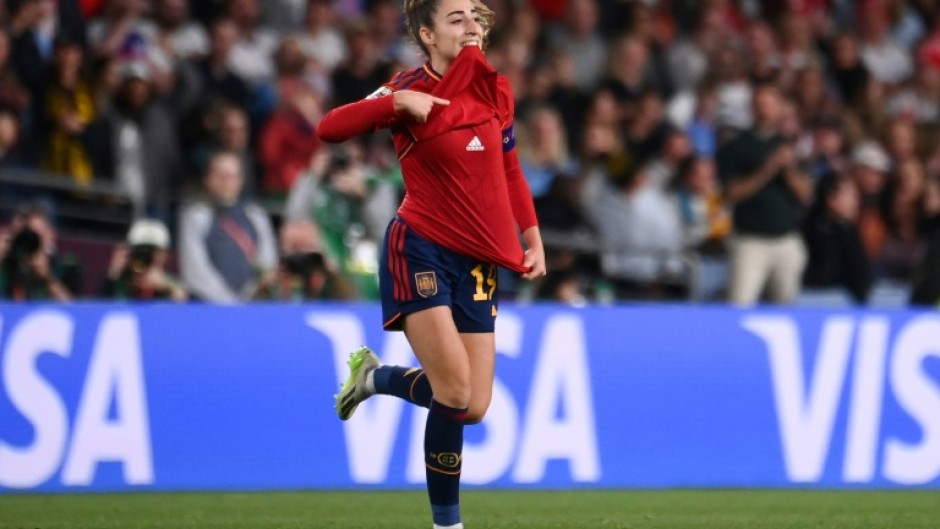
[(137, 270), (304, 273), (351, 201), (26, 271)]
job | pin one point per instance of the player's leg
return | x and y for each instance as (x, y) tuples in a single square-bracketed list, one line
[(481, 349), (437, 344), (402, 252)]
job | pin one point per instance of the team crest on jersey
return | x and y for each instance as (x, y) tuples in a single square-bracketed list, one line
[(426, 282)]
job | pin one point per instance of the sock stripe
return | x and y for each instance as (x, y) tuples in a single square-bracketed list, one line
[(411, 391), (451, 414), (441, 471)]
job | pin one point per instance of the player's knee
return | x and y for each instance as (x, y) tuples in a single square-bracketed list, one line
[(454, 395), (476, 413)]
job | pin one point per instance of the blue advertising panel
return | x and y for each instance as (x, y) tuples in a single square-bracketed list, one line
[(161, 397)]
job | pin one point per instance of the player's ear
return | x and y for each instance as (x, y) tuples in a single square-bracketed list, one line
[(427, 36)]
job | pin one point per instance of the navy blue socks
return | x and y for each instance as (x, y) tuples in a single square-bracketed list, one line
[(406, 383), (443, 449)]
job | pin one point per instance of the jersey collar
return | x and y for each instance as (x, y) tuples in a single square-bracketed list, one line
[(432, 72)]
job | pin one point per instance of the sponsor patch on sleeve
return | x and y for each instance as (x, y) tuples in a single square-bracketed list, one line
[(382, 91)]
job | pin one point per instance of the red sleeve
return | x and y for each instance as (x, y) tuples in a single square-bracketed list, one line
[(348, 121), (523, 209), (520, 196)]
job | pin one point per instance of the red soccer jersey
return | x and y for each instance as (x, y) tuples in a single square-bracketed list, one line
[(464, 188)]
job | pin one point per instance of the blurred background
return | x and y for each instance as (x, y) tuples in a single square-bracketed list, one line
[(632, 117)]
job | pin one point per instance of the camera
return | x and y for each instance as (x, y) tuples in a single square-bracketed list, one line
[(303, 264), (22, 248), (141, 257), (340, 160)]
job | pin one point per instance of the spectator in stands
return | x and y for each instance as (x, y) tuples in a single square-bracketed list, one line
[(870, 165), (926, 280), (797, 50), (351, 207), (226, 246), (646, 127), (138, 269), (178, 36), (919, 99), (289, 139), (121, 31), (888, 62), (363, 72), (543, 150), (768, 191), (230, 132), (901, 141), (847, 69), (810, 94), (135, 144), (219, 80), (304, 272), (706, 225), (762, 55), (251, 55), (578, 36), (662, 167), (567, 98), (638, 224), (13, 95), (10, 154), (70, 106), (705, 216), (827, 145), (630, 72), (321, 39), (902, 204), (31, 268), (383, 22), (32, 31), (837, 264)]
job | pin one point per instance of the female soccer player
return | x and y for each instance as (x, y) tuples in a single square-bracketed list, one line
[(451, 123)]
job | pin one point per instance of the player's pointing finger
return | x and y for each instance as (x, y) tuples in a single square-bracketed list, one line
[(439, 101)]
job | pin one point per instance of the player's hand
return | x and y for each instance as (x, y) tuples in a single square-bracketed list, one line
[(416, 104), (535, 262)]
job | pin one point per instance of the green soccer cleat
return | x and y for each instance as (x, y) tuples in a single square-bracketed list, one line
[(362, 361)]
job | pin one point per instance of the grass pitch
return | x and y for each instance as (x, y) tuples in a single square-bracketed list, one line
[(673, 509)]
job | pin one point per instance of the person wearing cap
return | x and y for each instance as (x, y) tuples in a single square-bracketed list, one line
[(138, 268), (869, 169)]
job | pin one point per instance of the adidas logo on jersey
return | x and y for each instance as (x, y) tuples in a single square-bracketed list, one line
[(475, 144)]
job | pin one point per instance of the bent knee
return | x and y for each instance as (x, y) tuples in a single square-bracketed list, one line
[(475, 414), (454, 396)]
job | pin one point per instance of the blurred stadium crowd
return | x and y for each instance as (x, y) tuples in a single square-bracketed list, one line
[(123, 122)]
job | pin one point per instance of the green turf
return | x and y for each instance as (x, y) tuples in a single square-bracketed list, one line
[(674, 509)]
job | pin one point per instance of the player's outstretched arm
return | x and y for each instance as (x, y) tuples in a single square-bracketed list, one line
[(355, 119), (372, 114)]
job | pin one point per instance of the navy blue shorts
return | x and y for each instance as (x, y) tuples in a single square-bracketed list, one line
[(417, 274)]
